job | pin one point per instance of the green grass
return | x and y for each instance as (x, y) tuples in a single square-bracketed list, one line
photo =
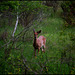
[(59, 39)]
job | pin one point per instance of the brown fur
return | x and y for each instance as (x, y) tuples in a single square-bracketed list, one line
[(38, 42)]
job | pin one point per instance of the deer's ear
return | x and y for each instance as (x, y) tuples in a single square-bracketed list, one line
[(33, 30), (39, 31)]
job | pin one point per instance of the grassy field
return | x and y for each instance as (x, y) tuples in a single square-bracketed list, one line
[(60, 44)]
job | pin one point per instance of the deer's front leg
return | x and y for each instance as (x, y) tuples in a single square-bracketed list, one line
[(34, 52)]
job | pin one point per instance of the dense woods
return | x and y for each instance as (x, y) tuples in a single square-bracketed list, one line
[(56, 21)]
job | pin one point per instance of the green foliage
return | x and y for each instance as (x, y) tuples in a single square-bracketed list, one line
[(8, 5), (23, 6), (30, 6)]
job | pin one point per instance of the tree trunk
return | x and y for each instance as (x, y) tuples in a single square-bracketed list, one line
[(15, 26)]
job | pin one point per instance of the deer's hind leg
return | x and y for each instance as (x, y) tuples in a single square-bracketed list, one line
[(44, 48), (38, 50)]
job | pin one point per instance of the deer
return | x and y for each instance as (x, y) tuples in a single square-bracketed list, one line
[(39, 42)]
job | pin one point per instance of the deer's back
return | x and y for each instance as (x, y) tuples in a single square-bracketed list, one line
[(41, 40)]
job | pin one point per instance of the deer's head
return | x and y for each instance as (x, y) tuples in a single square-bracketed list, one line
[(36, 33)]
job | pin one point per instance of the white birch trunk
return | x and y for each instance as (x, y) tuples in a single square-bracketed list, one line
[(15, 26)]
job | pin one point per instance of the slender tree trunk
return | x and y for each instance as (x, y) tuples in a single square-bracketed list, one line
[(15, 26)]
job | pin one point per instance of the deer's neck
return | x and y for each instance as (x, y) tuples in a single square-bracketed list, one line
[(35, 39)]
